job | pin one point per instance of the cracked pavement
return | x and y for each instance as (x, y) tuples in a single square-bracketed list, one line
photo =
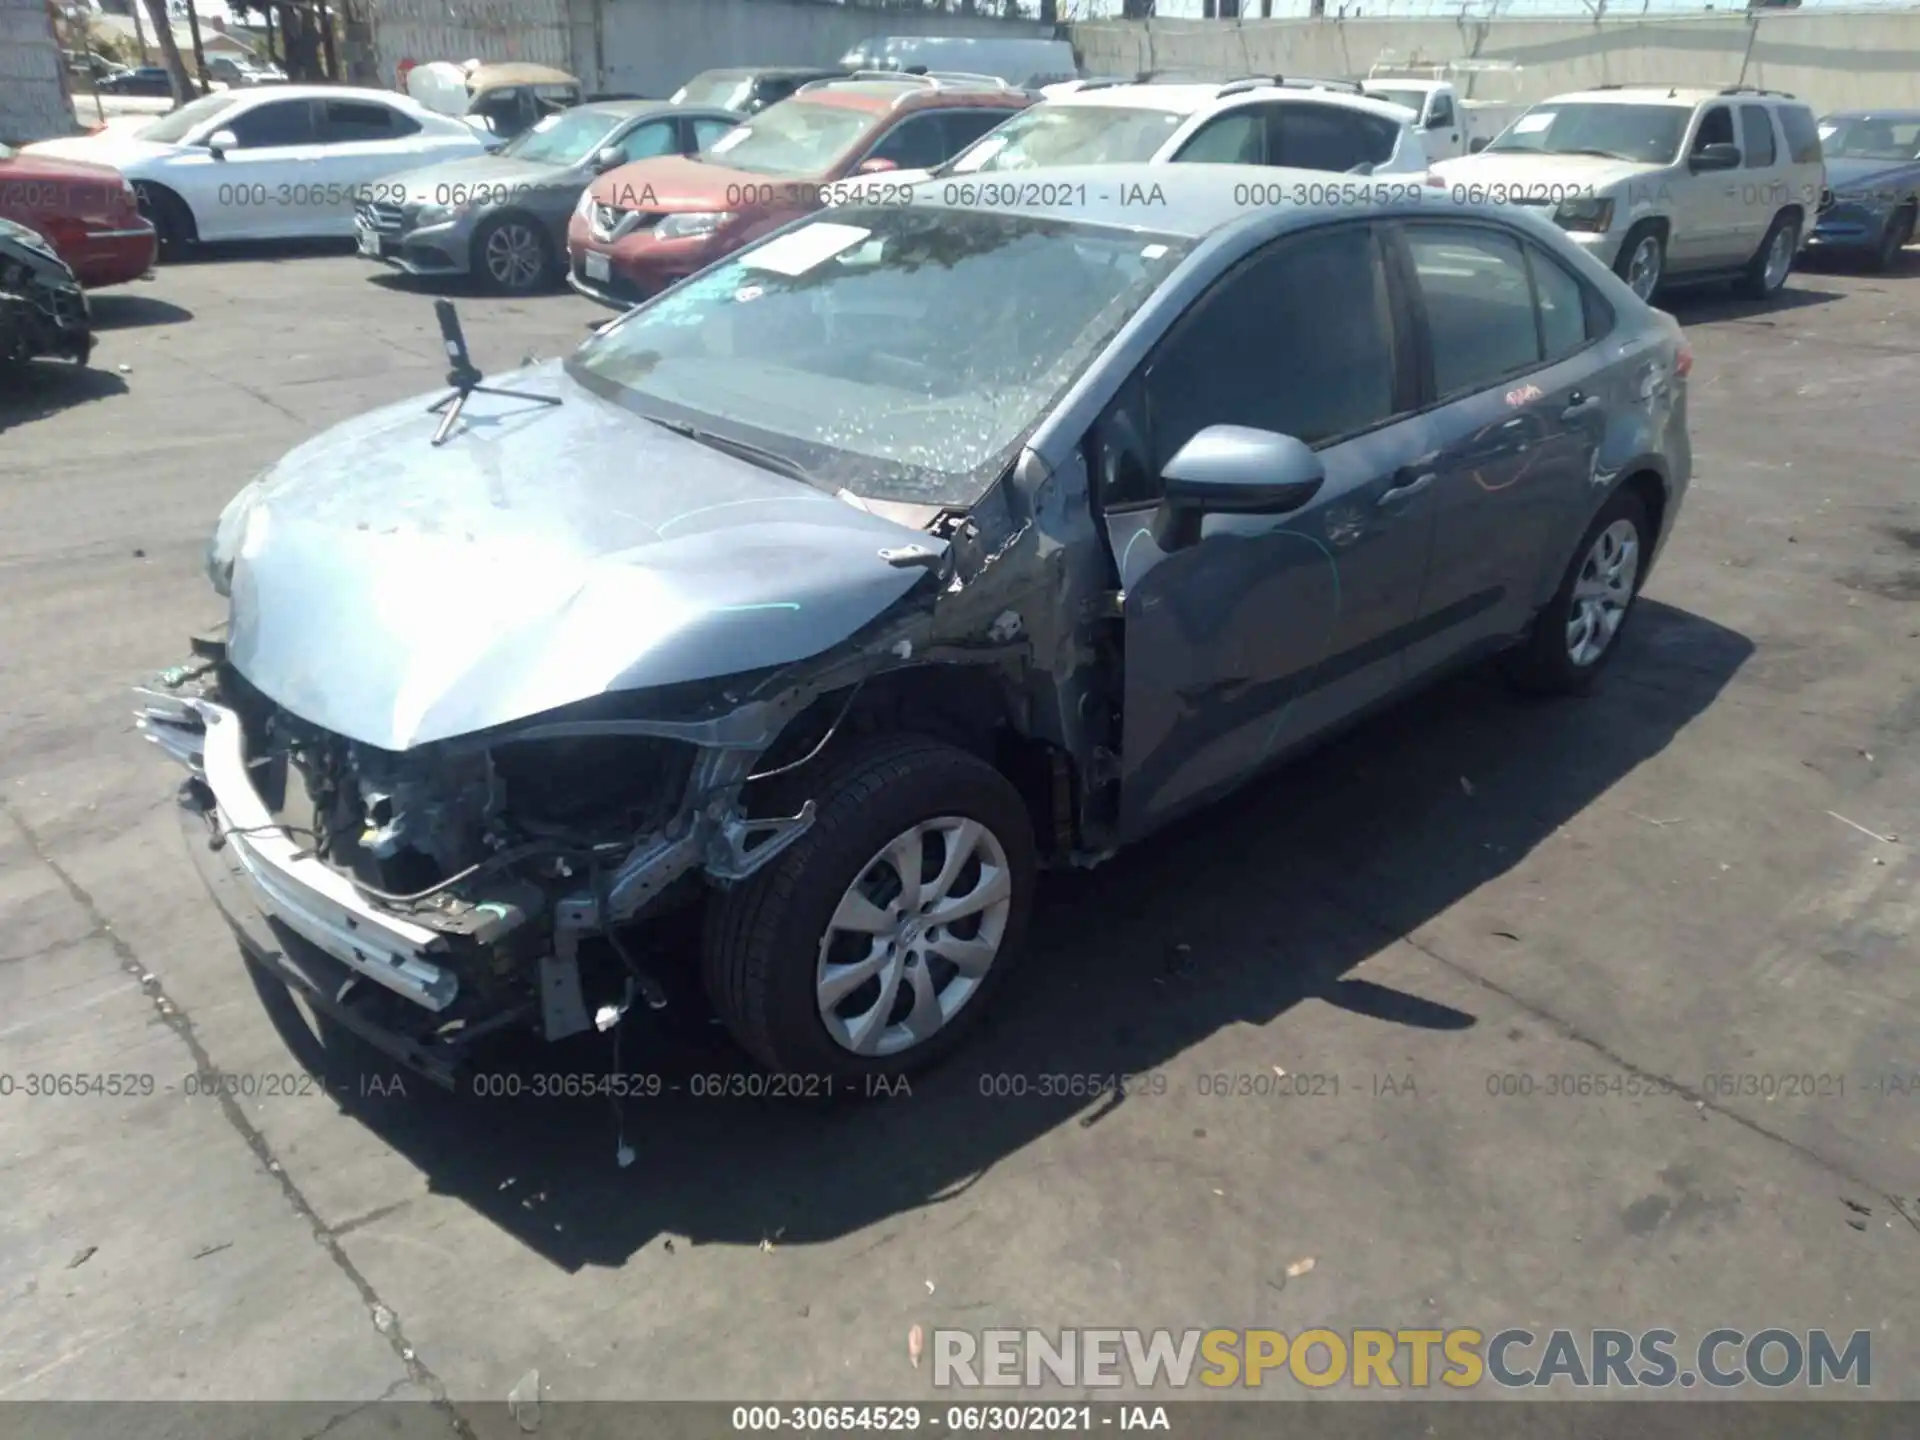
[(1671, 881)]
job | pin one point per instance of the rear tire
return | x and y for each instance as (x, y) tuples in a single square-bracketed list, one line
[(1767, 272), (1578, 632), (775, 959)]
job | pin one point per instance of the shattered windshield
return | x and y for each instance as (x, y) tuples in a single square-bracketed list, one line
[(899, 353)]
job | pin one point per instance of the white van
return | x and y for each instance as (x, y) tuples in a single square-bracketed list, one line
[(1027, 64)]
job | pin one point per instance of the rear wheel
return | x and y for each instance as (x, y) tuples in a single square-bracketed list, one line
[(1575, 635), (1642, 261), (875, 942), (1771, 264)]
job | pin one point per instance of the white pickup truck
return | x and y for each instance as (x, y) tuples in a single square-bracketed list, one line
[(1449, 123)]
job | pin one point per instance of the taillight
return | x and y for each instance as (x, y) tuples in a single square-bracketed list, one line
[(1683, 362)]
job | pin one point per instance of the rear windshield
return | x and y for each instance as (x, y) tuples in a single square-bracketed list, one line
[(1870, 137), (794, 137), (1414, 100), (1644, 134), (717, 88), (1070, 135)]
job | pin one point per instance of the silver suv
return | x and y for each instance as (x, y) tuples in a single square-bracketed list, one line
[(1664, 185)]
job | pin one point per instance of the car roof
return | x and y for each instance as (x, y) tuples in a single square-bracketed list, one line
[(1189, 99), (1675, 95), (623, 109), (1898, 116), (880, 96), (768, 72)]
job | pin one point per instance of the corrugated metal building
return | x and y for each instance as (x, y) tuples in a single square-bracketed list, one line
[(533, 31), (33, 89)]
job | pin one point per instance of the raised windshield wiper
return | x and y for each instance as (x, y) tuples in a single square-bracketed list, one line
[(740, 449), (1603, 154)]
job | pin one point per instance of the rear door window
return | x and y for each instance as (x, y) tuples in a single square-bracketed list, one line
[(344, 122), (1756, 136), (280, 122), (1478, 300), (1327, 137), (1236, 138)]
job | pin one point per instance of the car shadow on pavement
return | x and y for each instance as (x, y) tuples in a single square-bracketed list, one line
[(41, 387), (1229, 919), (1707, 303), (121, 311), (257, 251)]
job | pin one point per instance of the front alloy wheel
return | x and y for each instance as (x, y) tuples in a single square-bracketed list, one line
[(876, 941), (514, 257), (1645, 264), (914, 936), (1604, 590)]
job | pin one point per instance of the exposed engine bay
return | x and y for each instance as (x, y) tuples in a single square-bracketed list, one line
[(43, 311)]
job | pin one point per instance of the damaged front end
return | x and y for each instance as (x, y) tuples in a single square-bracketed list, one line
[(431, 899), (43, 311)]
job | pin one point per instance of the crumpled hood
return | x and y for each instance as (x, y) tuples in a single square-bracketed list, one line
[(398, 594), (433, 184), (1552, 174)]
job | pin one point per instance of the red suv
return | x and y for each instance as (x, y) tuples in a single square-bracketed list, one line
[(643, 226)]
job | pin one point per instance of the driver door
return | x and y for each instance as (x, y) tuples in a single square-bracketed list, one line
[(1267, 629), (1709, 221), (248, 195)]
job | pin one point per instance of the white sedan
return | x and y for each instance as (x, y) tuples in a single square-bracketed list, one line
[(278, 163)]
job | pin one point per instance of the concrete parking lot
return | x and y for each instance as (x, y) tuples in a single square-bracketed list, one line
[(1700, 881)]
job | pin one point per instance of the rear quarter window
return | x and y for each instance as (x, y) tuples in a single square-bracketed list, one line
[(1803, 136)]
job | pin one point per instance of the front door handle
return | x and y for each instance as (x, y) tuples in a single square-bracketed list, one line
[(1578, 404), (1400, 494)]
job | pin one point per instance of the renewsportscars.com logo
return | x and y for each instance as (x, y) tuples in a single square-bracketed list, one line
[(1460, 1359)]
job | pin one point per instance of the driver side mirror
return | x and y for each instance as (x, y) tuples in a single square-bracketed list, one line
[(1439, 122), (1233, 470), (220, 142), (874, 165), (1715, 157), (610, 157), (1477, 144)]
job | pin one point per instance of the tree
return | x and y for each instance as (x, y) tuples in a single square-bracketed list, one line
[(176, 67)]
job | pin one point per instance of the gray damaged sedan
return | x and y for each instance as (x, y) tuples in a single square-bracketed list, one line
[(502, 217), (861, 576)]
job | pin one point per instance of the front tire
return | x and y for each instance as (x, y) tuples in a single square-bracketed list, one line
[(172, 221), (874, 944), (1578, 632), (1642, 261), (1894, 239), (1772, 263), (511, 256)]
